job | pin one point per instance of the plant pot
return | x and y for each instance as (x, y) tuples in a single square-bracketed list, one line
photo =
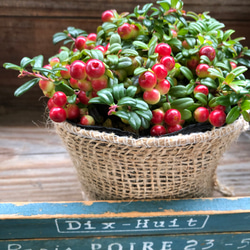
[(112, 167)]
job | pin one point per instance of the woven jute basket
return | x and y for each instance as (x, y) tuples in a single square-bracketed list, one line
[(119, 167)]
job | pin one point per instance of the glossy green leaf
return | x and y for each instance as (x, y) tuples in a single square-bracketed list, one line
[(139, 71), (26, 61), (239, 70), (233, 115), (202, 98), (245, 105), (124, 62), (38, 61), (140, 104), (134, 120), (106, 96), (128, 101), (229, 78), (209, 82), (246, 116), (26, 86), (185, 114), (115, 38), (223, 100), (122, 114), (131, 91), (178, 91), (118, 91), (114, 48), (182, 103), (146, 114), (72, 99), (186, 72), (140, 45), (65, 89), (12, 66), (129, 52)]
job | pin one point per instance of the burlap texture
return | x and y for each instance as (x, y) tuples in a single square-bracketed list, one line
[(114, 167)]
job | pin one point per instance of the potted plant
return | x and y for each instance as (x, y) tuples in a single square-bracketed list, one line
[(147, 105)]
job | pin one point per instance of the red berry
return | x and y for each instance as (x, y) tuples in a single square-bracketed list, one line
[(217, 118), (78, 70), (51, 104), (83, 98), (201, 89), (125, 31), (160, 71), (158, 130), (57, 114), (208, 51), (168, 62), (101, 48), (72, 111), (163, 86), (201, 114), (59, 98), (84, 85), (92, 37), (107, 15), (73, 83), (95, 68), (233, 65), (87, 120), (99, 83), (202, 70), (80, 42), (147, 80), (172, 117), (174, 128), (163, 49), (220, 107), (158, 116)]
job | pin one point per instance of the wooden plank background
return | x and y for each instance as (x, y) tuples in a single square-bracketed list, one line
[(27, 28)]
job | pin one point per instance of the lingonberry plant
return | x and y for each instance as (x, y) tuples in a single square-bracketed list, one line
[(157, 70)]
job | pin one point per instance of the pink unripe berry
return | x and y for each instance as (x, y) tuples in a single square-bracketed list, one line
[(163, 86), (57, 114), (59, 98), (217, 118), (107, 16), (73, 83), (163, 49), (72, 111), (78, 70), (80, 42), (160, 71), (84, 85), (201, 89), (99, 83), (202, 70), (95, 68), (54, 61), (201, 114), (46, 85), (125, 31), (158, 130), (172, 117), (87, 120), (151, 96), (147, 80), (66, 73), (168, 62)]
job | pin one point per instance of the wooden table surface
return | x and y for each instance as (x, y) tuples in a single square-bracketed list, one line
[(34, 166)]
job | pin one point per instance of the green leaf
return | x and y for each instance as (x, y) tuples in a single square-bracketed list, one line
[(185, 114), (26, 61), (114, 48), (140, 45), (124, 62), (58, 37), (66, 89), (128, 101), (129, 52), (201, 98), (209, 82), (178, 91), (96, 54), (43, 70), (115, 38), (113, 59), (106, 96), (229, 78), (134, 120), (186, 72), (72, 99), (26, 86), (239, 70), (227, 34), (216, 72), (245, 105), (122, 114), (38, 61), (246, 116), (12, 66), (140, 104), (63, 55), (118, 91), (233, 114), (96, 100), (145, 123), (139, 71), (182, 103), (223, 100), (146, 114), (131, 91)]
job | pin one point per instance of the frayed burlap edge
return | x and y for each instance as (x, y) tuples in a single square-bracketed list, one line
[(117, 167)]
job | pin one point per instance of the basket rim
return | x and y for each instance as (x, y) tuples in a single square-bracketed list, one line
[(239, 125)]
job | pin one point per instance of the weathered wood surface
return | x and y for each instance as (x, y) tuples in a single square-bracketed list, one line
[(160, 224), (34, 166), (27, 28)]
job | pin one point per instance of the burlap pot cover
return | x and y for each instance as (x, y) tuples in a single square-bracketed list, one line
[(119, 167)]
